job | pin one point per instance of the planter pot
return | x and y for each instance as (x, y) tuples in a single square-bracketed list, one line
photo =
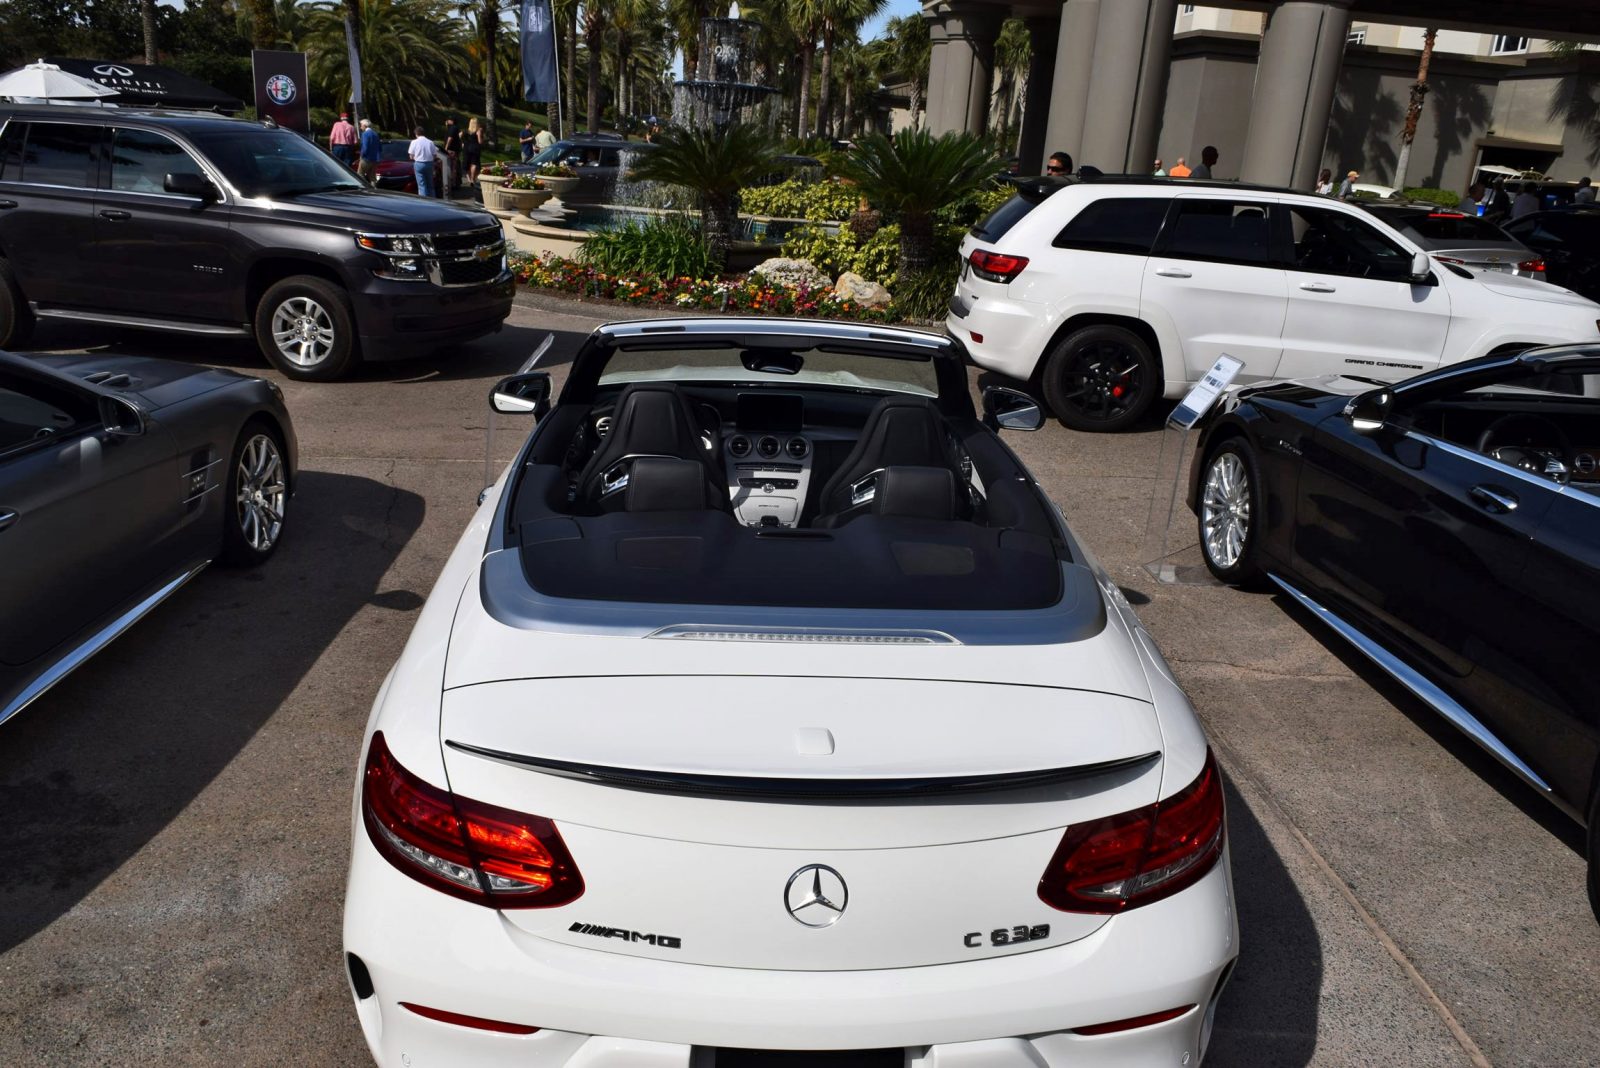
[(560, 186), (521, 201), (490, 181)]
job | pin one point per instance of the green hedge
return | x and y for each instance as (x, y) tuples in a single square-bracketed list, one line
[(796, 199), (668, 246), (1442, 197), (877, 259)]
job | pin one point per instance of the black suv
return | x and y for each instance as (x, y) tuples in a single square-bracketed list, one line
[(215, 226)]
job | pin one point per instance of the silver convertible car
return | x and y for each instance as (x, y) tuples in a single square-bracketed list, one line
[(120, 478)]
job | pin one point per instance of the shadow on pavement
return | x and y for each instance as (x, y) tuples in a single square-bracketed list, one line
[(100, 765), (1268, 1014)]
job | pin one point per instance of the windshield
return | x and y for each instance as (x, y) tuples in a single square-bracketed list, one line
[(1447, 226), (846, 370), (260, 162)]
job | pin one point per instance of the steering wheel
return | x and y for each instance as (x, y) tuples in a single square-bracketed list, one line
[(1534, 441)]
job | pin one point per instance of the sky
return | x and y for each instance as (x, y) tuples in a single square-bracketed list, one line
[(893, 9)]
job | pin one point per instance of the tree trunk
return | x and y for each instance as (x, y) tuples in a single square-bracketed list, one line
[(592, 39), (848, 126), (803, 129), (914, 102), (263, 24), (352, 15), (491, 95), (916, 244), (825, 90), (1414, 110), (717, 222), (147, 20), (570, 116)]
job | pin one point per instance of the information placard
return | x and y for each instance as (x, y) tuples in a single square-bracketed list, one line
[(1205, 393), (283, 92)]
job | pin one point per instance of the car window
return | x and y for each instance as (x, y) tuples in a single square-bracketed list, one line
[(11, 151), (998, 222), (610, 158), (1228, 231), (846, 369), (1116, 224), (58, 153), (1448, 226), (30, 413), (141, 161), (1331, 242), (272, 163)]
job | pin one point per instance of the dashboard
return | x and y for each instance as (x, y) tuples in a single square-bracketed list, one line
[(769, 455)]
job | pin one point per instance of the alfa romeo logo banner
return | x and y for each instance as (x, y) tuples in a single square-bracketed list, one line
[(537, 34), (282, 90)]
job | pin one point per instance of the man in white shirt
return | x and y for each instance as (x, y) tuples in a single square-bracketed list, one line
[(422, 153), (1585, 193), (1527, 201)]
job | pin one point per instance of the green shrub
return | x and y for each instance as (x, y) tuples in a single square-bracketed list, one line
[(833, 253), (926, 295), (1442, 197), (796, 199), (878, 258), (666, 245)]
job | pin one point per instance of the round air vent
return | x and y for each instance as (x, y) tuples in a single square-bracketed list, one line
[(738, 446), (767, 447), (798, 448), (602, 426), (1585, 463)]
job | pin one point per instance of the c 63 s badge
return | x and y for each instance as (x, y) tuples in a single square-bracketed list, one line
[(1008, 936), (663, 941)]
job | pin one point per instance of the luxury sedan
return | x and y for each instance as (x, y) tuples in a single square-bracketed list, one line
[(769, 707), (1449, 528), (120, 479)]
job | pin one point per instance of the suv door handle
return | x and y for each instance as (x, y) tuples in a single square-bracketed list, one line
[(1316, 287), (116, 214), (7, 518), (1173, 272), (1493, 499)]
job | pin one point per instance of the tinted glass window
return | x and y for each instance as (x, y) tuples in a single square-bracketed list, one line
[(994, 226), (1116, 226), (272, 163), (1331, 242), (11, 151), (141, 161), (31, 413), (1446, 226), (59, 154), (1226, 230)]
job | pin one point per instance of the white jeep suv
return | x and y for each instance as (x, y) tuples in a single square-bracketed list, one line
[(1107, 294)]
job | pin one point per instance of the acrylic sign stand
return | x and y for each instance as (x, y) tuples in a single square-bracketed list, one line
[(1165, 552)]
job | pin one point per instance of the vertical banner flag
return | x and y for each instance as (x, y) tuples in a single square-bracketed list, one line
[(355, 61), (282, 89), (538, 38)]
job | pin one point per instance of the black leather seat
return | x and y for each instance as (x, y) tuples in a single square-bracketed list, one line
[(652, 419), (899, 432), (917, 493)]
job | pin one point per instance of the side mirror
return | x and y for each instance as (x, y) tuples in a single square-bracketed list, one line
[(1010, 409), (523, 393), (189, 184), (1369, 412), (120, 418), (1421, 267)]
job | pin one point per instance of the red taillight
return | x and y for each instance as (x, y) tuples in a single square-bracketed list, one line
[(1133, 858), (1133, 1021), (461, 1019), (1535, 265), (481, 853), (994, 266), (1451, 259)]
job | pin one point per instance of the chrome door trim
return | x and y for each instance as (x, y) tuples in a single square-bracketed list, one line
[(1420, 686), (94, 643), (1499, 467), (144, 322)]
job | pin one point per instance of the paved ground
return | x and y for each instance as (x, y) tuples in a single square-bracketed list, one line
[(177, 814)]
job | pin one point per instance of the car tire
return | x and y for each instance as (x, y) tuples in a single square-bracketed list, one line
[(257, 491), (306, 328), (1229, 513), (16, 320), (1101, 378)]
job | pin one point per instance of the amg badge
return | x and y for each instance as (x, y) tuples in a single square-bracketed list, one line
[(664, 941)]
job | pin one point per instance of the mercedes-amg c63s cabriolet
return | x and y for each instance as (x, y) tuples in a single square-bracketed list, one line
[(769, 713)]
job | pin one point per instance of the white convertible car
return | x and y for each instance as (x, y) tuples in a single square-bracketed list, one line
[(768, 714)]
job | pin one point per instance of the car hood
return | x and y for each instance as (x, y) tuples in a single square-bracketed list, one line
[(155, 384), (372, 209), (1510, 285)]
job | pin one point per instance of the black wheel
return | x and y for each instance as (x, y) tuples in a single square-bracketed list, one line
[(1230, 513), (258, 492), (16, 321), (1101, 378), (305, 327)]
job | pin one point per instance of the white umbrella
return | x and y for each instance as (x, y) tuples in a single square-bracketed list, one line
[(46, 81)]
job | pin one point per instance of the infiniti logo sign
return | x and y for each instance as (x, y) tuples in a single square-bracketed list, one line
[(114, 68), (816, 896)]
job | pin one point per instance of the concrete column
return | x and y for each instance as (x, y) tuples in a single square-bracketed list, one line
[(1044, 31), (970, 31), (1132, 50), (1068, 98), (1296, 77), (939, 48)]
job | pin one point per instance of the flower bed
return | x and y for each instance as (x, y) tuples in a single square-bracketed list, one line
[(741, 293)]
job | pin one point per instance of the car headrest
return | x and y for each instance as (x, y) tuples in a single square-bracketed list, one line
[(915, 493), (664, 484)]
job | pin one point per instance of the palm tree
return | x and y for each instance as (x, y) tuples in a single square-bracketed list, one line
[(1012, 51), (263, 23), (147, 22), (413, 52), (914, 175), (565, 14), (715, 164), (805, 19), (685, 17), (905, 51), (838, 17), (594, 18), (856, 69)]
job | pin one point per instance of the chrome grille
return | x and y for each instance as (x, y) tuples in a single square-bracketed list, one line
[(467, 258)]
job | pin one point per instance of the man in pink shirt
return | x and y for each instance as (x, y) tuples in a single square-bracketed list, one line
[(342, 141)]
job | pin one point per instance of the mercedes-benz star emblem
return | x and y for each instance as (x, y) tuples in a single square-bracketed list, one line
[(816, 896)]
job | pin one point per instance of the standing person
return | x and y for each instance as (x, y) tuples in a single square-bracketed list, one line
[(543, 140), (370, 153), (1527, 201), (525, 139), (1585, 193), (452, 158), (472, 150), (1208, 156), (423, 152), (1181, 170), (1497, 204), (1159, 172), (1348, 186), (1473, 204), (1059, 165), (1325, 183), (342, 140)]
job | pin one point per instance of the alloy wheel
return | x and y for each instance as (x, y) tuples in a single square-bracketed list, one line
[(260, 498), (1102, 380), (302, 330), (1225, 510)]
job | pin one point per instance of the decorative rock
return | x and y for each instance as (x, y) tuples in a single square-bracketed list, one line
[(782, 271), (858, 290)]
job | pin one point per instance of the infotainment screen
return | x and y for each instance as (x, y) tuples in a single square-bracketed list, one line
[(771, 411)]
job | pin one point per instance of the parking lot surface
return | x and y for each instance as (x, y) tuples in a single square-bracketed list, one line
[(177, 814)]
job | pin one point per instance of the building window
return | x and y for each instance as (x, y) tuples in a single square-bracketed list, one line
[(1186, 9), (1505, 44), (1357, 35)]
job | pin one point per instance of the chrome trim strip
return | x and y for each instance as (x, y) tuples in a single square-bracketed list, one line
[(782, 788), (196, 496), (94, 643), (202, 467), (1419, 685), (1499, 467), (208, 329)]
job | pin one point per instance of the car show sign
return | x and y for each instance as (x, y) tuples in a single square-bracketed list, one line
[(1205, 393), (282, 88)]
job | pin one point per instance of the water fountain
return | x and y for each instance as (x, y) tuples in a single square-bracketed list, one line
[(726, 86)]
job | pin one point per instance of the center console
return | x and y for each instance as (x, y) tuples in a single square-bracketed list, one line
[(768, 459)]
